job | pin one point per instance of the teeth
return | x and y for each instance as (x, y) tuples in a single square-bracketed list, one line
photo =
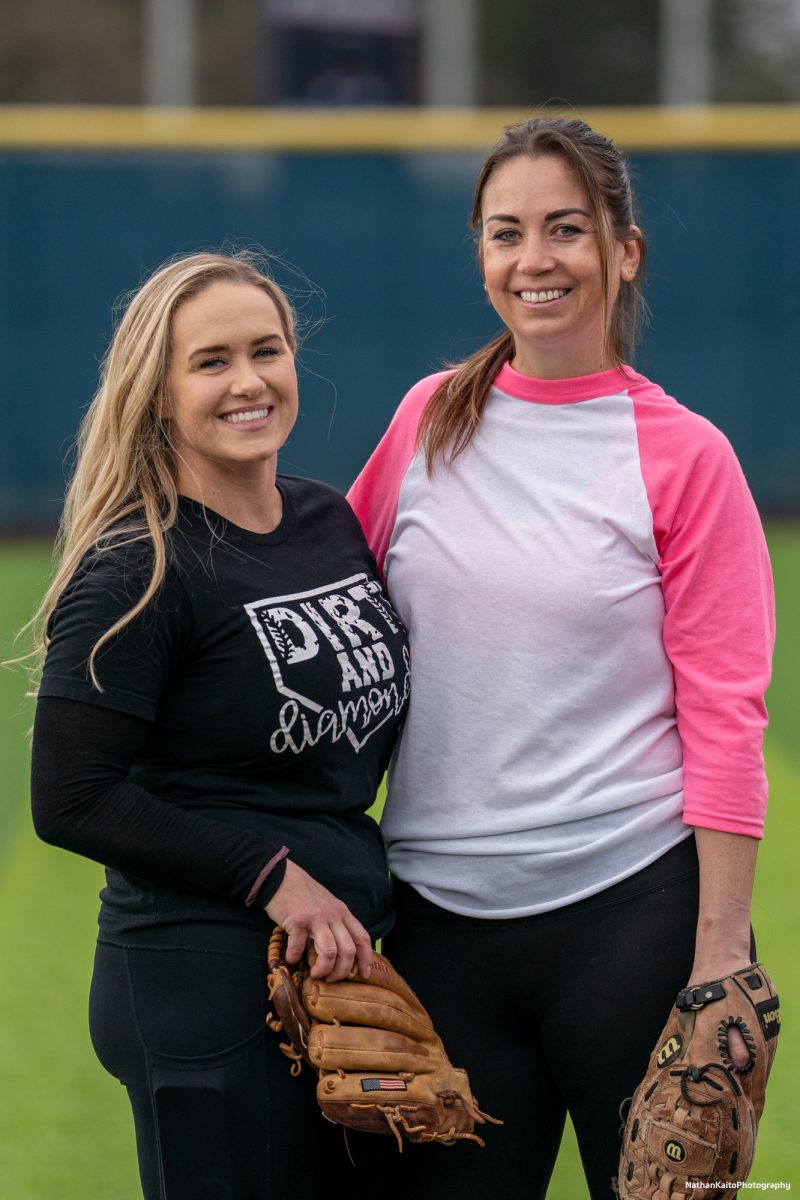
[(541, 297), (253, 414)]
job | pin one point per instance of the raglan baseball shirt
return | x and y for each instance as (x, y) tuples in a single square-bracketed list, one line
[(589, 604)]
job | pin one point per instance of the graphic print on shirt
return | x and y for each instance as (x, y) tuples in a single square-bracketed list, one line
[(342, 630)]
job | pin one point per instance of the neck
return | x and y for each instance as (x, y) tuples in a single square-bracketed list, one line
[(253, 503), (559, 361)]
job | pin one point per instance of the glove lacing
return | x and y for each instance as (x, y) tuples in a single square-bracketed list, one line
[(702, 1075), (747, 1038), (394, 1115)]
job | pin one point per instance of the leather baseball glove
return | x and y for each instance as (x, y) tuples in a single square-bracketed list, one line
[(693, 1119), (382, 1068)]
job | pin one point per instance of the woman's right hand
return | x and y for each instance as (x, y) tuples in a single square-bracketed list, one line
[(307, 910)]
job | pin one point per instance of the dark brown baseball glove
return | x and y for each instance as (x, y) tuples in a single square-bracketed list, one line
[(693, 1119), (382, 1068)]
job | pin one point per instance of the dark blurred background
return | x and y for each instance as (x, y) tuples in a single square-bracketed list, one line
[(500, 52), (381, 232)]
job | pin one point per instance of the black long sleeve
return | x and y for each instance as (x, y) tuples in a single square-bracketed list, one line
[(82, 800), (250, 707)]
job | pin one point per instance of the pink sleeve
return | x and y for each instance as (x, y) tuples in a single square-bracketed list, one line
[(374, 495), (719, 624)]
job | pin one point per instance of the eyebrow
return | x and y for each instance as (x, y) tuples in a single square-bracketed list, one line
[(551, 216), (566, 212), (259, 341)]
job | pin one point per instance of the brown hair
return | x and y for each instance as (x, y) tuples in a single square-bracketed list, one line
[(453, 412), (126, 464)]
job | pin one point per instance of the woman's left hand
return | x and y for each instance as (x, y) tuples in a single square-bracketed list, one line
[(309, 912)]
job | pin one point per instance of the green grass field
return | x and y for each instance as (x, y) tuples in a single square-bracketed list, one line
[(65, 1131)]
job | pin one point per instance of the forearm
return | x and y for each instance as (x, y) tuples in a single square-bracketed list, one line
[(727, 870), (83, 801)]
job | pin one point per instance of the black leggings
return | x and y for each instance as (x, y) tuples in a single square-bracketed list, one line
[(552, 1013), (177, 1015)]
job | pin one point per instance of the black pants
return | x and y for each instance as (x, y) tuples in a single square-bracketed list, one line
[(177, 1015), (552, 1013)]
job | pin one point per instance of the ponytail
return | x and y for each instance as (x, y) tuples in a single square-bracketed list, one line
[(453, 413)]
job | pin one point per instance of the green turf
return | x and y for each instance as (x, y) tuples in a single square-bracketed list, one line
[(65, 1131), (22, 571)]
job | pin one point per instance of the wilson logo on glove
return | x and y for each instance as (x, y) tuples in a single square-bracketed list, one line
[(669, 1051), (770, 1013), (366, 1038), (675, 1151)]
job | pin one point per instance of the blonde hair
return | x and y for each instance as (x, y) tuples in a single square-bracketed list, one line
[(453, 412), (125, 464)]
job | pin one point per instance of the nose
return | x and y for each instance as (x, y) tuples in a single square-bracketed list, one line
[(535, 255), (246, 384)]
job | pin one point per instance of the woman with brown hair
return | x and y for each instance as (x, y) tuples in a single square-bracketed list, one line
[(575, 806), (223, 681)]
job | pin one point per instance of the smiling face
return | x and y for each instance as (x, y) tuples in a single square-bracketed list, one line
[(540, 251), (232, 389)]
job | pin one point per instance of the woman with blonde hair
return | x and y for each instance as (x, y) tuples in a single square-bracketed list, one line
[(222, 684), (574, 810)]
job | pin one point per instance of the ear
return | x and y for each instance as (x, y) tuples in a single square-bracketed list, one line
[(631, 255)]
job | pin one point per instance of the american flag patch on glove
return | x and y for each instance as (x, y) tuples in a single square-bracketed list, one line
[(384, 1085)]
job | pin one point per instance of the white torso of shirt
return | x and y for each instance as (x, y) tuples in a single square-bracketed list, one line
[(540, 761)]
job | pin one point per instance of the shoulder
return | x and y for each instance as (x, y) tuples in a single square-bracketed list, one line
[(114, 574), (674, 432), (693, 479), (122, 558), (399, 439), (407, 415), (374, 494), (316, 501), (413, 403), (304, 492), (325, 522)]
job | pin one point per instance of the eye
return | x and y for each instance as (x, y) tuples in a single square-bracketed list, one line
[(211, 363), (505, 235), (266, 352), (567, 232)]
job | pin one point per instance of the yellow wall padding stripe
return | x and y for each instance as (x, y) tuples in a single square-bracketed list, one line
[(44, 127)]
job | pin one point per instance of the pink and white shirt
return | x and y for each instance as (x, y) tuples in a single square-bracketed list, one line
[(589, 602)]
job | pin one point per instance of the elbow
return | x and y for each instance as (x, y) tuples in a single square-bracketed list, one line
[(44, 826), (47, 823)]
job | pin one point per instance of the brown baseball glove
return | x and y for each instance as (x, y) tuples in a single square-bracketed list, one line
[(693, 1119), (382, 1068)]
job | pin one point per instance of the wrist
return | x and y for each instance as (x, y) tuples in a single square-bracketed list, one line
[(268, 880), (707, 970), (723, 945)]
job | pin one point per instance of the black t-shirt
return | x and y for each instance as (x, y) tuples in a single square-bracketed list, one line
[(275, 675)]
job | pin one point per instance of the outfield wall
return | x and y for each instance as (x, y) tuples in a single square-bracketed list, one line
[(373, 208)]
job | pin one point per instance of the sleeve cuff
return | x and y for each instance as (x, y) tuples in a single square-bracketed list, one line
[(268, 880)]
